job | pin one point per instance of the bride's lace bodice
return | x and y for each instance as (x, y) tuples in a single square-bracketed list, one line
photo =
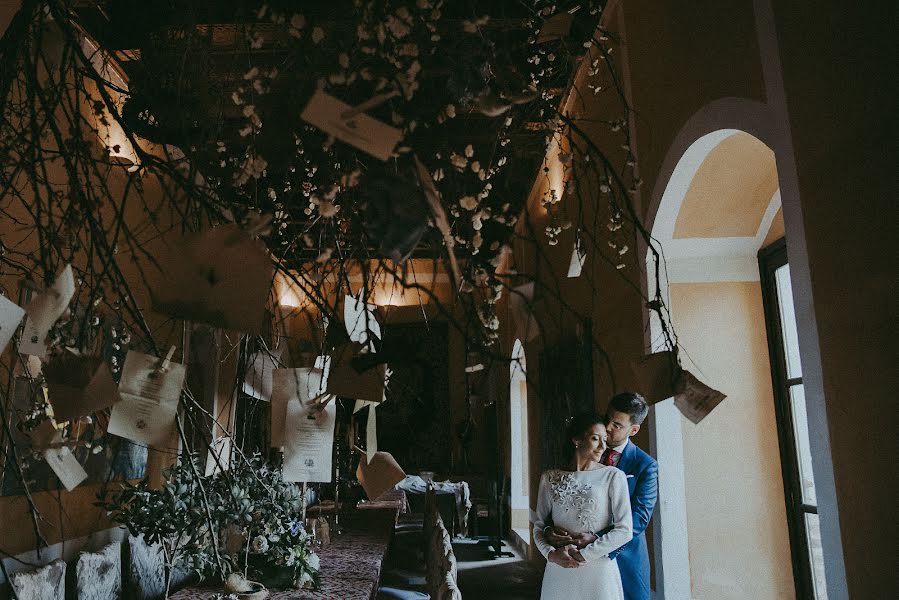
[(574, 496), (584, 501)]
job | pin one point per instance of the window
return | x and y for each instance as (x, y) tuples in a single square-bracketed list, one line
[(792, 423), (518, 395)]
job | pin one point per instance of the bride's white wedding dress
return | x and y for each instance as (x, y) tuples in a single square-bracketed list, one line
[(584, 501)]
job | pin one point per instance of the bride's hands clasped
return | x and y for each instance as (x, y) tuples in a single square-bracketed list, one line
[(566, 556)]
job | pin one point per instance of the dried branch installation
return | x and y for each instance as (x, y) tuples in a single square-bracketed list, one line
[(257, 179)]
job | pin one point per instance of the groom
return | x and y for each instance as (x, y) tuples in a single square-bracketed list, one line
[(625, 414)]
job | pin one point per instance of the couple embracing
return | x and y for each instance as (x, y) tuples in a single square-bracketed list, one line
[(591, 515)]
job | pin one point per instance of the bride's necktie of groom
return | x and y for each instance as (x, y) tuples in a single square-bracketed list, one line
[(610, 457)]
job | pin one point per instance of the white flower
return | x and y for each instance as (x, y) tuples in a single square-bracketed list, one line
[(468, 202), (259, 545), (460, 162), (313, 561), (327, 209), (476, 166), (450, 111), (469, 151), (397, 27), (305, 580)]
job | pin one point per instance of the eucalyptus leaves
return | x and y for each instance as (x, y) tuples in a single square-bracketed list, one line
[(243, 520)]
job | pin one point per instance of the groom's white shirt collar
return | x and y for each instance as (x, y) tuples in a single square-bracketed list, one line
[(620, 448)]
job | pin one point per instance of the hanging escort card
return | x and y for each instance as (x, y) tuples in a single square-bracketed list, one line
[(64, 463), (43, 311), (695, 399), (79, 385), (221, 277), (380, 474), (10, 316), (348, 125), (150, 390), (309, 433), (656, 375), (352, 377), (292, 385)]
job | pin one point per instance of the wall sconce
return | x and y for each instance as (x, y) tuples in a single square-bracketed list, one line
[(111, 134)]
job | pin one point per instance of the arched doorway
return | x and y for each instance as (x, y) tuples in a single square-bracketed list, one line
[(723, 525), (519, 467)]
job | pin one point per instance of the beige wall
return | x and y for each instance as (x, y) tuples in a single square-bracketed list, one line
[(737, 528)]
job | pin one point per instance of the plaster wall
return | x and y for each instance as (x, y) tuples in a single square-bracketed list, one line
[(736, 522), (841, 106), (809, 80)]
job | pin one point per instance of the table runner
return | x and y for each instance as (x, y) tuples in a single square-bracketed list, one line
[(350, 564)]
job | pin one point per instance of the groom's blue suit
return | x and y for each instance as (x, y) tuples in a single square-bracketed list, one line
[(633, 558)]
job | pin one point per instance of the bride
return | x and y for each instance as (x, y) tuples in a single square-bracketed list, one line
[(583, 499)]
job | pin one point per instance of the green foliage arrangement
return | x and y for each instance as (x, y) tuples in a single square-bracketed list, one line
[(247, 520)]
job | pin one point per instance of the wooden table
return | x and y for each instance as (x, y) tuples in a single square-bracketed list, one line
[(350, 564)]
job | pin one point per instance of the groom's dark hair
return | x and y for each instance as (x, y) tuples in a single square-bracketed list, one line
[(631, 403)]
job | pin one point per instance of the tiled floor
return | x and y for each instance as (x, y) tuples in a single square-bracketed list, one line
[(479, 575), (494, 579)]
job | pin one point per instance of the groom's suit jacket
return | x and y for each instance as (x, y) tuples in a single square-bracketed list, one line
[(633, 558)]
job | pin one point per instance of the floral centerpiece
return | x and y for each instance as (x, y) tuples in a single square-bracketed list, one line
[(245, 520), (283, 555), (263, 517)]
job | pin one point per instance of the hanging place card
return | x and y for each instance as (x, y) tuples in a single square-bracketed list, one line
[(292, 385), (221, 277), (357, 129), (309, 433), (379, 474), (350, 379), (79, 385), (656, 375), (43, 311), (44, 434), (150, 390), (10, 316), (556, 27), (64, 463), (695, 399)]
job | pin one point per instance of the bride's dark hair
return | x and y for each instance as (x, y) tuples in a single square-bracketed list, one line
[(576, 426)]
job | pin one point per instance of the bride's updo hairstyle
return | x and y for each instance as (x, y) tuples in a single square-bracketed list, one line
[(576, 426)]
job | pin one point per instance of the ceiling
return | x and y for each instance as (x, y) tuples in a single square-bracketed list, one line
[(730, 191)]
